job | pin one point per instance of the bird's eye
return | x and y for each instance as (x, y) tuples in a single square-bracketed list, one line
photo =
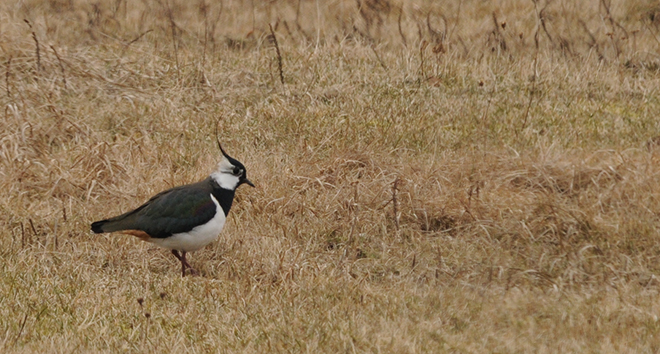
[(236, 171)]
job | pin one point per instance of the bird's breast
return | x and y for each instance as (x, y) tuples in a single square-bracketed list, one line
[(199, 236)]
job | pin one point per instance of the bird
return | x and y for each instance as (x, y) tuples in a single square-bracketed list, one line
[(184, 218)]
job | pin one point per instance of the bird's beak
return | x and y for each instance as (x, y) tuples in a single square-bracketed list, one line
[(245, 180)]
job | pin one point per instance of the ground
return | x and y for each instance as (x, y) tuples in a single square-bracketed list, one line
[(431, 177)]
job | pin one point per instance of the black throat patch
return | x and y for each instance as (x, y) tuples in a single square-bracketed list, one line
[(224, 196)]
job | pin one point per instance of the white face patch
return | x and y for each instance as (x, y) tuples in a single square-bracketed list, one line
[(224, 176)]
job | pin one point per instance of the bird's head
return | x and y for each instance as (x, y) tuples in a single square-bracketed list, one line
[(230, 173)]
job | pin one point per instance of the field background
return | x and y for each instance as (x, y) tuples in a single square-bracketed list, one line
[(459, 176)]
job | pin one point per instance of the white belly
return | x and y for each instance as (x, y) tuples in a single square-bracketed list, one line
[(198, 237)]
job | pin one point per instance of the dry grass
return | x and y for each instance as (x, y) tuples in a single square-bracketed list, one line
[(523, 136)]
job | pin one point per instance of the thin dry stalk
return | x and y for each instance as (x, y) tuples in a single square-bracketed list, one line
[(173, 27), (279, 55), (118, 6), (541, 17), (7, 74), (613, 24), (36, 44), (306, 36), (298, 13), (534, 75), (59, 61), (395, 204), (380, 61), (123, 50), (34, 229), (354, 207), (318, 24), (529, 102), (484, 120), (20, 330), (253, 16), (593, 42), (422, 47), (403, 37), (204, 9), (55, 235), (147, 319), (457, 20), (498, 34), (437, 36)]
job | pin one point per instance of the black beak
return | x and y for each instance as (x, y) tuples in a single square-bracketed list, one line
[(245, 180)]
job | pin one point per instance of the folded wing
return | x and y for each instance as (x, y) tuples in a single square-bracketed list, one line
[(173, 211)]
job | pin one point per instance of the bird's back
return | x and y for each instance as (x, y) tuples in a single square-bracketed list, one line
[(173, 211)]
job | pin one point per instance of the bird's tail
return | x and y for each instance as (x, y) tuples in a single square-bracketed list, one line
[(117, 223), (108, 225), (97, 226)]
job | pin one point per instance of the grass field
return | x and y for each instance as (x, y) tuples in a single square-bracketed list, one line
[(459, 177)]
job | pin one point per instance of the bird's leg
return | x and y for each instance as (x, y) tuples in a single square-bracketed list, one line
[(176, 254), (183, 265), (184, 261)]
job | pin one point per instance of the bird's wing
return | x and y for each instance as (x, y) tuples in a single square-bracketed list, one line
[(173, 211)]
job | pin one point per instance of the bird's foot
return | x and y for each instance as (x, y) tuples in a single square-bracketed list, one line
[(184, 263), (193, 272)]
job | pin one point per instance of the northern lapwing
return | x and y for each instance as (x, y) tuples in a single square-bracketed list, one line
[(185, 218)]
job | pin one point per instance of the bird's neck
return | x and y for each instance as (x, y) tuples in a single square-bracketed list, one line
[(225, 197)]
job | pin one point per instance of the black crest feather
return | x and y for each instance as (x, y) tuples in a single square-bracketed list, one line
[(218, 140)]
